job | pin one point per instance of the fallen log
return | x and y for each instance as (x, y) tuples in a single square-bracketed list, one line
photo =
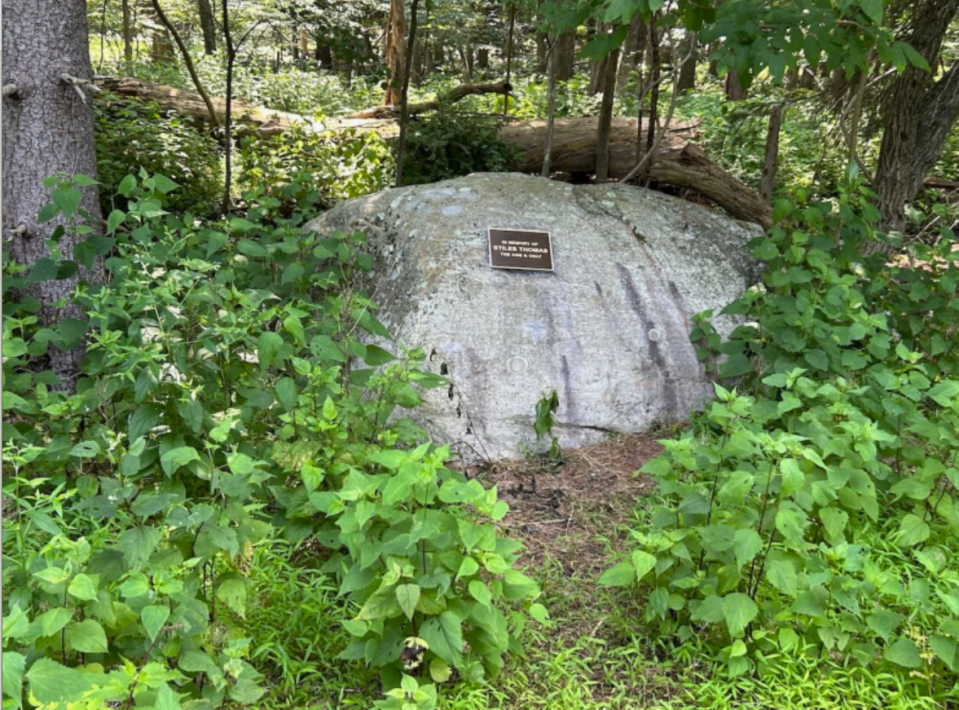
[(450, 97), (677, 162)]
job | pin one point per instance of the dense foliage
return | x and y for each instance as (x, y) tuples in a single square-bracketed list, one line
[(226, 399), (812, 508)]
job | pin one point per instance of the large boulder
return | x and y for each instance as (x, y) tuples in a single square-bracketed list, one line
[(608, 329)]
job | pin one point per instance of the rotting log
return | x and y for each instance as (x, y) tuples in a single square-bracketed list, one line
[(450, 97), (678, 162)]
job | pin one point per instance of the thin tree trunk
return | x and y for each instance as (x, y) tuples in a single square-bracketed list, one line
[(654, 90), (509, 55), (550, 105), (565, 48), (228, 117), (47, 129), (771, 162), (687, 70), (187, 60), (633, 50), (606, 116), (734, 88), (395, 51), (127, 33), (207, 25), (404, 104)]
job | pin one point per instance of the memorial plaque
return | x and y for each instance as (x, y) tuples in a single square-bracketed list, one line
[(520, 249)]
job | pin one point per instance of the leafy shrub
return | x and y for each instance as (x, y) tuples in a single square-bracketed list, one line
[(449, 144), (225, 399), (133, 135), (812, 510), (303, 169)]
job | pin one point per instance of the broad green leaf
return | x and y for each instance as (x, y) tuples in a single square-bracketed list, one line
[(480, 592), (13, 665), (153, 618), (746, 543), (912, 531), (286, 393), (643, 562), (82, 587), (620, 575), (945, 648), (51, 621), (884, 622), (268, 348), (781, 573), (407, 595), (176, 458), (232, 592), (738, 610), (440, 670), (86, 636), (167, 699), (834, 520), (444, 635), (49, 682), (904, 652), (468, 567), (137, 544)]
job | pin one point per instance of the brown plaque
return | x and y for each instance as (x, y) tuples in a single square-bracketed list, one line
[(520, 249)]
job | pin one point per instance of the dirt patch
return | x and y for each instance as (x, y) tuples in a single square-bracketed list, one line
[(563, 511)]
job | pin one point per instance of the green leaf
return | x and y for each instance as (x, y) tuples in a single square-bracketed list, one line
[(945, 394), (176, 458), (286, 393), (884, 622), (944, 647), (445, 636), (13, 665), (746, 544), (115, 220), (153, 618), (440, 670), (620, 575), (738, 610), (232, 592), (127, 186), (86, 636), (834, 521), (912, 531), (793, 477), (643, 562), (408, 595), (873, 10), (167, 699), (904, 653), (49, 682), (539, 613), (51, 621), (85, 450), (137, 544), (268, 347), (67, 200), (468, 567), (82, 587), (44, 269), (480, 592), (781, 573)]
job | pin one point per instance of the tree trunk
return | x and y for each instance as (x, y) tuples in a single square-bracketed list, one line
[(654, 69), (550, 110), (323, 54), (404, 104), (228, 112), (542, 47), (919, 113), (395, 52), (771, 162), (161, 51), (207, 25), (482, 58), (734, 88), (633, 50), (127, 33), (565, 50), (687, 71), (303, 42), (509, 55), (47, 129), (606, 116)]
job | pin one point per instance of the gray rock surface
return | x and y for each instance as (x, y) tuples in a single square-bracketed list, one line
[(609, 330)]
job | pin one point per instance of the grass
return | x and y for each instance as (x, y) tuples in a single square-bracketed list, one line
[(596, 653)]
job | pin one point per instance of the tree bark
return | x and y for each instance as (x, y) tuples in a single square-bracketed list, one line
[(546, 164), (228, 111), (734, 88), (606, 116), (565, 50), (509, 55), (687, 70), (207, 25), (918, 114), (47, 129), (771, 161), (404, 113), (633, 50), (127, 32), (395, 51)]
